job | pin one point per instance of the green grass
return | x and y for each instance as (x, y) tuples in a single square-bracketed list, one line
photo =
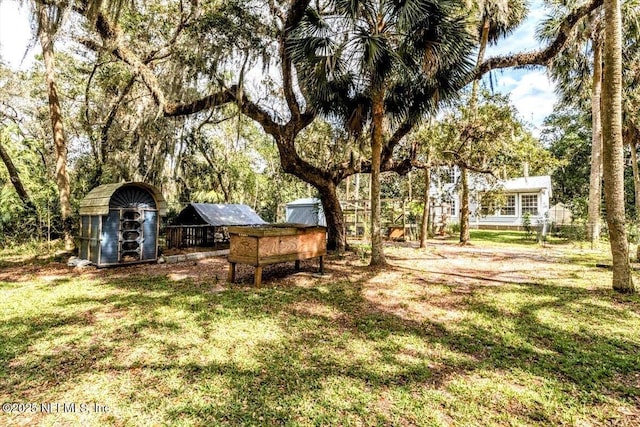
[(375, 347), (508, 237), (32, 252)]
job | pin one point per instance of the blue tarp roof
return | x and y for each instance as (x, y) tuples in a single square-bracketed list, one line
[(220, 215)]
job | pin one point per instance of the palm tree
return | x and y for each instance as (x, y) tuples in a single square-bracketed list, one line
[(631, 94), (578, 72), (380, 64), (497, 19), (613, 150)]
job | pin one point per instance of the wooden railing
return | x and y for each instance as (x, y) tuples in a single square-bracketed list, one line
[(184, 236)]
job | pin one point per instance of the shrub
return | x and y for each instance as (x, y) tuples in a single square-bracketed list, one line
[(526, 224), (455, 228)]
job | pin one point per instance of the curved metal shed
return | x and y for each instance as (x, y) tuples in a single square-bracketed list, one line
[(98, 201), (120, 223)]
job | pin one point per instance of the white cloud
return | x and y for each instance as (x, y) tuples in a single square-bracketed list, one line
[(534, 96), (15, 33), (530, 90)]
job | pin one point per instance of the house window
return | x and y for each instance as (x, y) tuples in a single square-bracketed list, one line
[(447, 205), (451, 201), (487, 207), (529, 204), (452, 175), (445, 175), (509, 207)]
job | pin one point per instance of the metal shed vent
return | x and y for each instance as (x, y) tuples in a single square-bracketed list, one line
[(132, 197)]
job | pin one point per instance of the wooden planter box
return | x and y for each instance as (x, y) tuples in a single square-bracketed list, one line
[(274, 243)]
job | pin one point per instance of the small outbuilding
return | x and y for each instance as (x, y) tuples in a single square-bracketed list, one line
[(205, 224), (559, 214), (120, 224), (306, 211)]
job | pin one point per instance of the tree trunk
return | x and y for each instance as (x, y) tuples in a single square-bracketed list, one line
[(326, 184), (465, 235), (484, 41), (55, 113), (336, 238), (424, 233), (14, 176), (464, 207), (613, 150), (595, 180), (377, 249), (347, 188), (636, 176)]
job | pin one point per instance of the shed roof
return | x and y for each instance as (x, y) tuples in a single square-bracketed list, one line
[(97, 201), (528, 183), (560, 214), (309, 201), (219, 215)]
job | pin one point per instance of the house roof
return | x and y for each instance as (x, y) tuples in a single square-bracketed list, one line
[(219, 215), (97, 201), (309, 201), (529, 183)]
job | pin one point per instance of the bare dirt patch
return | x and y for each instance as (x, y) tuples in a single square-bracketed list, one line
[(460, 268)]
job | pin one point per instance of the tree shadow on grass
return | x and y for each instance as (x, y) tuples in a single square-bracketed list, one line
[(585, 365), (340, 355)]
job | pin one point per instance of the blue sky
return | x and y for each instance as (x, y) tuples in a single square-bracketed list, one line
[(530, 90)]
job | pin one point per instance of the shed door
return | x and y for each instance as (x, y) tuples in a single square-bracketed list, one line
[(131, 236), (133, 204)]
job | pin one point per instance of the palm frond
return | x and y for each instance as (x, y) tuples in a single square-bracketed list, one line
[(418, 50)]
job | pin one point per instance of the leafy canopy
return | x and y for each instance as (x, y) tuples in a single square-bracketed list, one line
[(414, 52)]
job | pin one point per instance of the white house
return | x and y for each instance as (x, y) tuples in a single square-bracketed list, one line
[(529, 194), (525, 195)]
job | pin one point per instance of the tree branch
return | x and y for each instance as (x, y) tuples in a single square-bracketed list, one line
[(392, 143), (112, 39), (539, 57), (294, 16), (14, 175), (186, 108), (458, 160)]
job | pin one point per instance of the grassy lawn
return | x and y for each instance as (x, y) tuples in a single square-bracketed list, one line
[(510, 237), (445, 336)]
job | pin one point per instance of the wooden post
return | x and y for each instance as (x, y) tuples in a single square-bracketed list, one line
[(404, 220), (232, 272), (321, 265), (257, 277)]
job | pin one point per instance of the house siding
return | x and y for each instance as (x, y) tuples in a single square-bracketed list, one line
[(514, 221), (540, 186)]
